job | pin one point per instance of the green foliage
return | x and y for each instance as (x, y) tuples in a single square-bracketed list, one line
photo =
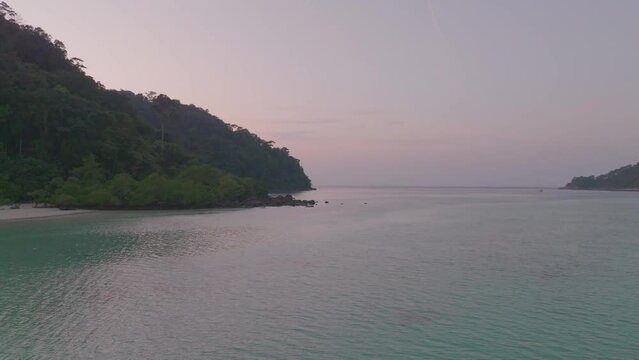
[(8, 190), (23, 175), (193, 186), (52, 115), (89, 173), (626, 177), (214, 142), (66, 140), (122, 187)]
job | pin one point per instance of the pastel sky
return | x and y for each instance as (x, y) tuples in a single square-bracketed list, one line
[(394, 92)]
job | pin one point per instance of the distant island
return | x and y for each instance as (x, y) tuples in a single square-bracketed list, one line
[(625, 178), (67, 141)]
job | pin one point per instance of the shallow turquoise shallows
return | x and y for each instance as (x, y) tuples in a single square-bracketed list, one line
[(377, 273)]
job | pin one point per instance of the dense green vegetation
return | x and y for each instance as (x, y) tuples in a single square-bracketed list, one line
[(226, 146), (626, 177), (56, 121), (192, 186)]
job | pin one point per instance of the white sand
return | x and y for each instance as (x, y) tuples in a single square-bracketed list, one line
[(28, 211)]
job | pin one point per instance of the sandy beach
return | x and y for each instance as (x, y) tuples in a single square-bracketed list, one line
[(29, 211)]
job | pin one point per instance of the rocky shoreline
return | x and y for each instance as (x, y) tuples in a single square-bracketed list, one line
[(35, 211), (277, 201), (269, 201)]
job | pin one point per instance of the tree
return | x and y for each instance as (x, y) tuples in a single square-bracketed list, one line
[(7, 12), (167, 108), (90, 173), (226, 146)]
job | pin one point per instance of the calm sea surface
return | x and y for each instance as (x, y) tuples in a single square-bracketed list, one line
[(378, 273)]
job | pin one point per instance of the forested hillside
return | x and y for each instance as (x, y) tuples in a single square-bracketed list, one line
[(64, 138), (214, 142), (624, 178)]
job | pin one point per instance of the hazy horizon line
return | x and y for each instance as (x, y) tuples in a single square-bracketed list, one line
[(438, 186)]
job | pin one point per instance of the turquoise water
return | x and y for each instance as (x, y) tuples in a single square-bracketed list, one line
[(412, 274)]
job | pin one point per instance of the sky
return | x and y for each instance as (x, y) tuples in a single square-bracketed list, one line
[(393, 92)]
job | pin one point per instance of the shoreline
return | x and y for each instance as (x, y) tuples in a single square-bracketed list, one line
[(603, 189), (30, 212)]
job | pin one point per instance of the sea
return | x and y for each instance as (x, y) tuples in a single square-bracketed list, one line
[(368, 273)]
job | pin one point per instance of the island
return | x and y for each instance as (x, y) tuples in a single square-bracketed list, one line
[(68, 142), (625, 178)]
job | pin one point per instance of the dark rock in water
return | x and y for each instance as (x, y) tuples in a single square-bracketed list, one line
[(287, 200), (325, 202)]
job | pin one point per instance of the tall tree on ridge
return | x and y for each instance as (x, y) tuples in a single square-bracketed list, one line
[(166, 107)]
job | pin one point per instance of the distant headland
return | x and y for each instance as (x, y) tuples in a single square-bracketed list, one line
[(625, 178)]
